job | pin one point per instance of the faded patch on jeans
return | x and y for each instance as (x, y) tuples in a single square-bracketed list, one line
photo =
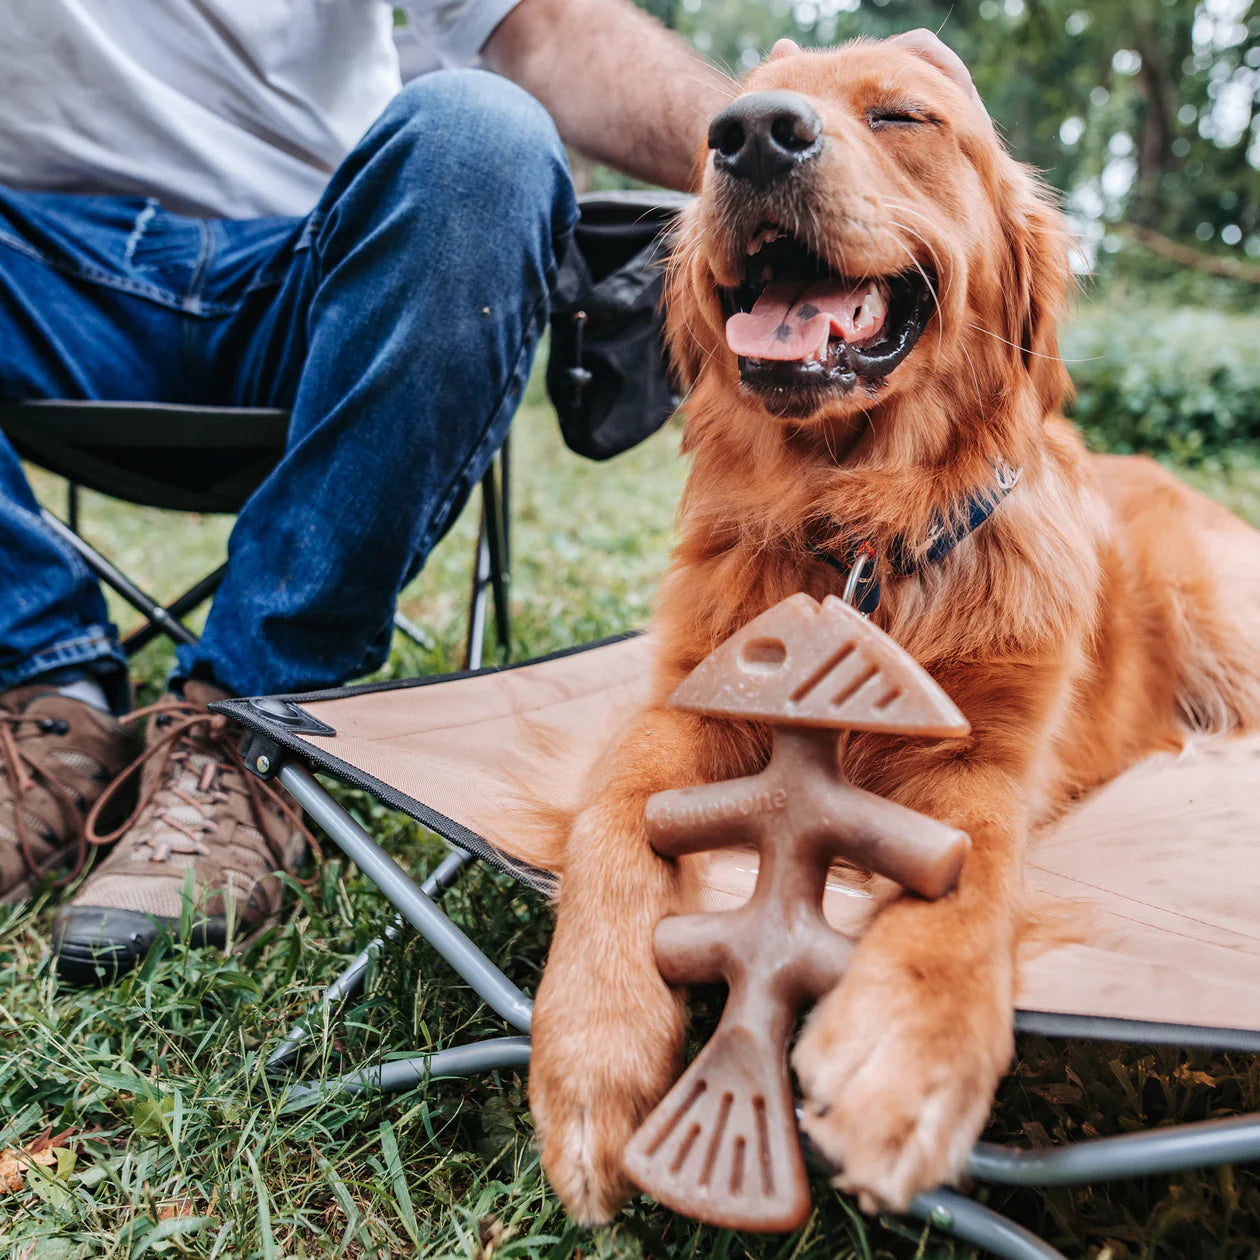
[(143, 219)]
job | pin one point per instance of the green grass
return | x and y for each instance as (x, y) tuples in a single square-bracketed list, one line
[(180, 1149)]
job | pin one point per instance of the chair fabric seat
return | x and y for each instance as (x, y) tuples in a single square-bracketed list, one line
[(186, 459), (1145, 899)]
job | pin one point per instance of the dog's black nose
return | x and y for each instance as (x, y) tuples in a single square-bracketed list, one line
[(763, 135)]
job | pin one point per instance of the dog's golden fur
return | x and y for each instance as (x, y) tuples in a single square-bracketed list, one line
[(1103, 612)]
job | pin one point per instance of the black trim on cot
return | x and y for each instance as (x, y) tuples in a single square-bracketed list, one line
[(428, 680), (250, 716)]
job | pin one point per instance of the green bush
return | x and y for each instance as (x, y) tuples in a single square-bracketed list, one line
[(1174, 381)]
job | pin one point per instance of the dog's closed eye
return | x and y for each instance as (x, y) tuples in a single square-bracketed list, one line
[(900, 116)]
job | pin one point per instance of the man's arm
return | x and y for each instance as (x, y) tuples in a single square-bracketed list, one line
[(622, 88)]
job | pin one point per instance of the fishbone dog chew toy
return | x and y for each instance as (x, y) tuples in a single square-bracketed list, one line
[(723, 1145)]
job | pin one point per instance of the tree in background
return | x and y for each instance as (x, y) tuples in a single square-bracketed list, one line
[(1144, 113)]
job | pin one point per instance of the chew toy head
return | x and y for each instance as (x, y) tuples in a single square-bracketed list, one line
[(802, 663)]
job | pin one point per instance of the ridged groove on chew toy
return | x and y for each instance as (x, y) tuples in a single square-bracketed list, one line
[(723, 1145), (812, 664)]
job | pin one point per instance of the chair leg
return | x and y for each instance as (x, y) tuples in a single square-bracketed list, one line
[(505, 497), (490, 565), (490, 573), (474, 644), (498, 515), (408, 628), (72, 505), (191, 599), (415, 905), (119, 582), (972, 1222), (348, 983), (482, 976), (393, 1075)]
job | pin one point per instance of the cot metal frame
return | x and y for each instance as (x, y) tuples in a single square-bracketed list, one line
[(1156, 1151)]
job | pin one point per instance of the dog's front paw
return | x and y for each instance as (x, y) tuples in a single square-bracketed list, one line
[(899, 1064), (601, 1060)]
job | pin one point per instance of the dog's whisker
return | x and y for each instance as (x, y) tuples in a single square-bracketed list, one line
[(1053, 358), (931, 288), (901, 208), (940, 316), (971, 363), (722, 70), (702, 82)]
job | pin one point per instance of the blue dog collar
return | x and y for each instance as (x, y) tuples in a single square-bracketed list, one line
[(941, 540)]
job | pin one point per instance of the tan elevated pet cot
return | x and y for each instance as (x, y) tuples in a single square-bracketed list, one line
[(1145, 896)]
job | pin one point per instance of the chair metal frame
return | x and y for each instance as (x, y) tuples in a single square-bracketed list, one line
[(490, 577), (1157, 1151)]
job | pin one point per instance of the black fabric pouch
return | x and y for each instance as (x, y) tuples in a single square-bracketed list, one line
[(607, 374)]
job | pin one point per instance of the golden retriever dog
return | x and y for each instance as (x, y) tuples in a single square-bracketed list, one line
[(864, 298)]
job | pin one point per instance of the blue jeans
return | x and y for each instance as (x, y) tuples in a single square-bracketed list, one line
[(398, 321)]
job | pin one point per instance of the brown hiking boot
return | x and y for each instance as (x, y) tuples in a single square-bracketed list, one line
[(57, 756), (199, 810)]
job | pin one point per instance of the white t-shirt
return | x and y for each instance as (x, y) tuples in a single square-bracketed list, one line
[(229, 108)]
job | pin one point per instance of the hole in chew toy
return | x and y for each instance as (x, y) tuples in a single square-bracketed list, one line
[(764, 655)]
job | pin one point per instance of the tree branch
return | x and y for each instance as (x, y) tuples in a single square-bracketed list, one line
[(1187, 256)]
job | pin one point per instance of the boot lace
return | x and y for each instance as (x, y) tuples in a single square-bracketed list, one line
[(185, 730), (24, 773)]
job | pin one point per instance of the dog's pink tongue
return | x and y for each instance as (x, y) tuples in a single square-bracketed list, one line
[(791, 323)]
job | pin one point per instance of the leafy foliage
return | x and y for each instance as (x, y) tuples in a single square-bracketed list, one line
[(1175, 381)]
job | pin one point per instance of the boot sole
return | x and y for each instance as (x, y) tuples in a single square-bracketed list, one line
[(96, 945)]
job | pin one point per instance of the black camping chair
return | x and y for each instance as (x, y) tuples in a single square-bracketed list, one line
[(210, 460)]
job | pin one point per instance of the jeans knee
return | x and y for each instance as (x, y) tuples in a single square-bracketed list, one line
[(477, 133)]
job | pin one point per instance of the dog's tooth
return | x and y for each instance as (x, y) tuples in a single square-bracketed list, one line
[(873, 308), (819, 353), (764, 238)]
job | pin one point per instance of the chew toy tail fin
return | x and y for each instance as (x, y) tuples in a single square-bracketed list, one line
[(723, 1145)]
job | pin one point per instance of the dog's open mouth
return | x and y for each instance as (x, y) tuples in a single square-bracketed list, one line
[(801, 331)]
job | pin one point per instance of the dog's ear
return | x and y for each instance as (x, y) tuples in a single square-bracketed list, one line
[(784, 48), (683, 317), (1036, 285)]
